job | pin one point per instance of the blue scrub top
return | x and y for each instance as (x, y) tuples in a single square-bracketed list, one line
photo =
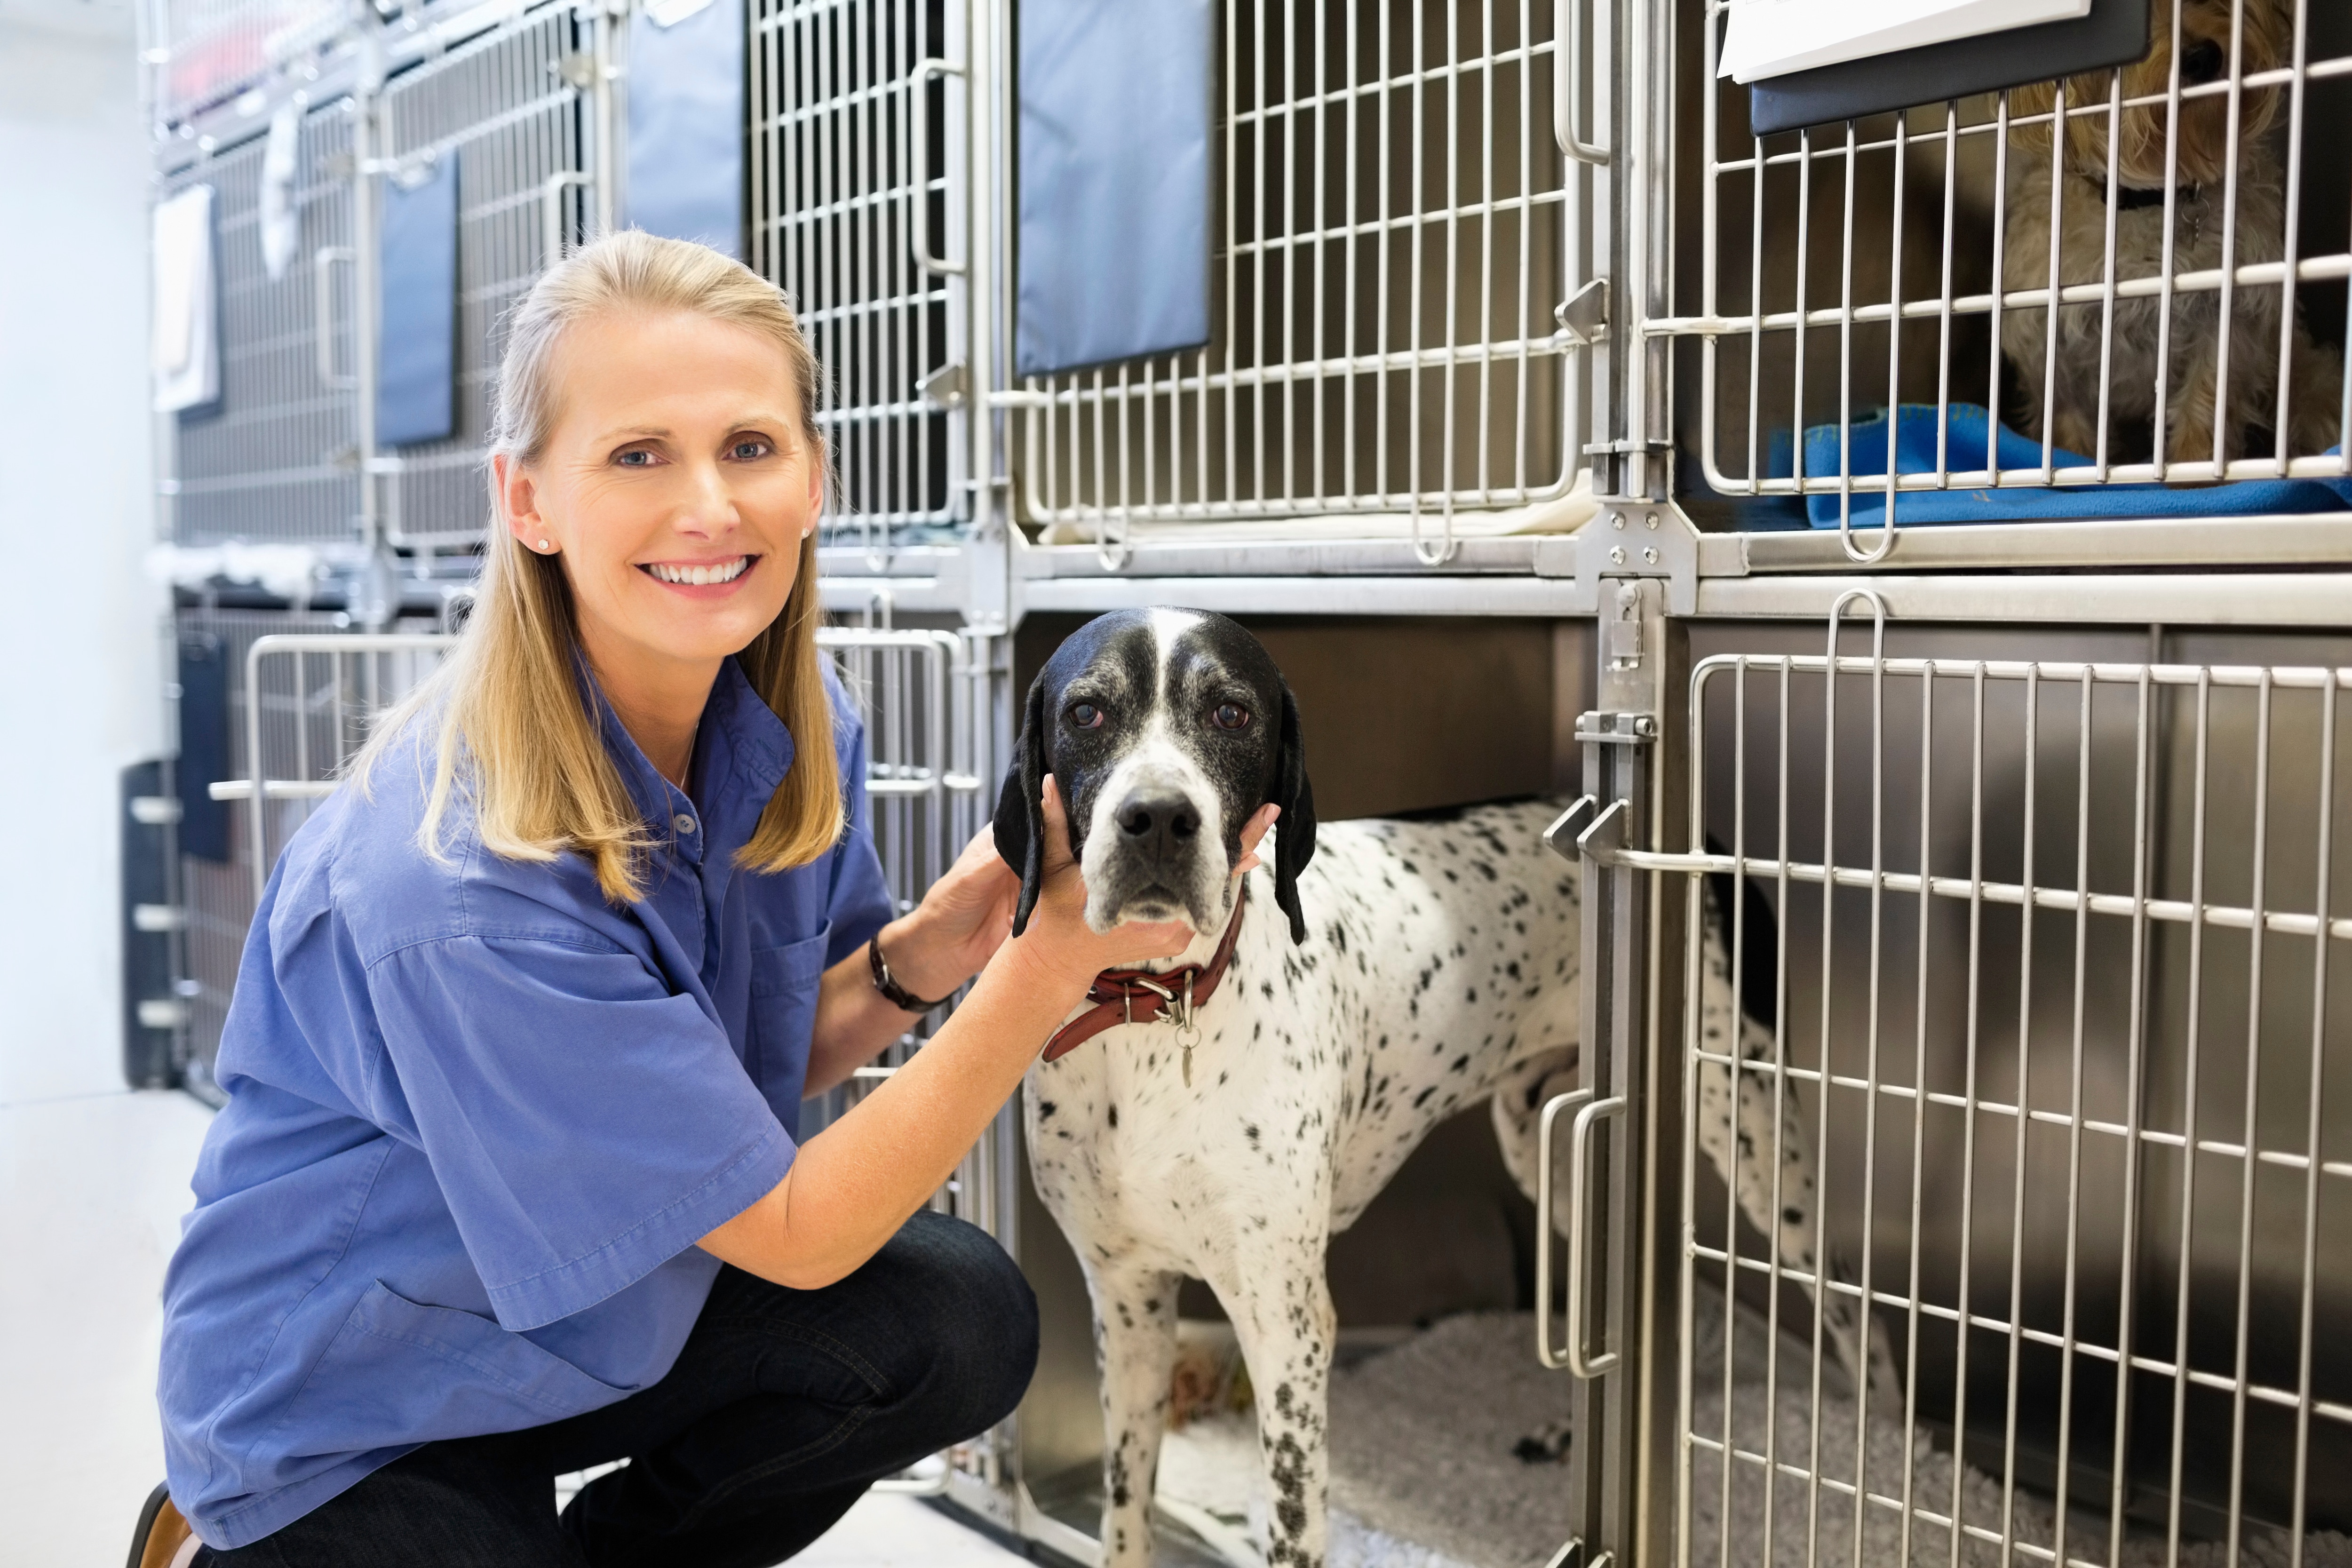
[(477, 1118)]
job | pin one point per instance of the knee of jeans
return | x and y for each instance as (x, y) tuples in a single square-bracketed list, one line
[(983, 1323)]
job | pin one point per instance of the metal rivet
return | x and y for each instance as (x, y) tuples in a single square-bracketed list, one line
[(1649, 520), (1616, 519), (1650, 553), (1617, 555)]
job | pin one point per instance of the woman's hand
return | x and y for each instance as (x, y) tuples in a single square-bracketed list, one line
[(962, 921), (1058, 937)]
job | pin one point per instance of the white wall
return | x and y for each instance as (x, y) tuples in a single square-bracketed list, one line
[(79, 656)]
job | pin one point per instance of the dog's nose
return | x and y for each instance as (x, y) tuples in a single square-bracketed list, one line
[(1158, 824)]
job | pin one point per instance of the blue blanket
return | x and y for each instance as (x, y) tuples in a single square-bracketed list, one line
[(1915, 451)]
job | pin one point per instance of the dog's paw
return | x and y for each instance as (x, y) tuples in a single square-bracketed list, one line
[(1546, 1445)]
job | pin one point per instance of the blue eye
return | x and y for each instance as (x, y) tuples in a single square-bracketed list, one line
[(1086, 716), (751, 451), (635, 459)]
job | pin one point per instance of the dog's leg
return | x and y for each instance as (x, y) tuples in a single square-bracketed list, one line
[(1518, 1111), (2315, 405), (1135, 1349), (1747, 1130), (2189, 438), (1272, 1288)]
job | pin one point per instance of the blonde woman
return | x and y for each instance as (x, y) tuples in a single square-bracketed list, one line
[(507, 1184)]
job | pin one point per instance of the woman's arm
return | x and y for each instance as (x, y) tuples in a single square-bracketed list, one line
[(854, 1185), (962, 920)]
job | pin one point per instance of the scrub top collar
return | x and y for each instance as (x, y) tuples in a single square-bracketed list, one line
[(741, 753)]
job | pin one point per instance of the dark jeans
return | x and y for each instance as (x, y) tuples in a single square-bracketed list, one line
[(783, 1408)]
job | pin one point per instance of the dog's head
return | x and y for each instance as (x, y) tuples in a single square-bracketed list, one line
[(1165, 729), (2265, 36)]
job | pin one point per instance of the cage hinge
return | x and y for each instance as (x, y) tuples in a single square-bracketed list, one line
[(1641, 538), (578, 71)]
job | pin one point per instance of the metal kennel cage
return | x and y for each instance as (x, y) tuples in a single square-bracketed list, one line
[(517, 109), (2074, 920), (277, 460), (2172, 314), (288, 454), (859, 176), (300, 694), (1398, 222)]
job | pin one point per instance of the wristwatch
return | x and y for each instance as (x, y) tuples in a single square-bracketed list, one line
[(897, 995)]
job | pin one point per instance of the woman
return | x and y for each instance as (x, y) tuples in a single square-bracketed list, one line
[(506, 1183)]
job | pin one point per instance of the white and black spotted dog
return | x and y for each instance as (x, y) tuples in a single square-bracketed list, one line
[(1412, 969)]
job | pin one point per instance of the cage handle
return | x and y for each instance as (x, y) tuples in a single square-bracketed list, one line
[(919, 154), (1572, 1355), (1568, 99), (322, 291), (551, 208)]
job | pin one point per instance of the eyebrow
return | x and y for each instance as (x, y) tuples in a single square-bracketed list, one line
[(663, 432)]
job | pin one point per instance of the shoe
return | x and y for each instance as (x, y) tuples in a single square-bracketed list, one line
[(164, 1538)]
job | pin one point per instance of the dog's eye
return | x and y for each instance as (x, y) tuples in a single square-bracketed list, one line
[(1086, 716), (2204, 63), (1230, 716)]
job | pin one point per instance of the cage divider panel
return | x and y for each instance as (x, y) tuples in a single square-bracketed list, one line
[(1114, 181), (186, 331), (416, 334), (2115, 33), (204, 747), (686, 123)]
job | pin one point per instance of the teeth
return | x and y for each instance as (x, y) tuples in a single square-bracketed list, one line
[(722, 572)]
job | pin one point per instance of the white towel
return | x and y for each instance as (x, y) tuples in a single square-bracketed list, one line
[(187, 350), (281, 220)]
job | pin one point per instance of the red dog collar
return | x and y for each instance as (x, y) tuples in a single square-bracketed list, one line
[(1139, 996)]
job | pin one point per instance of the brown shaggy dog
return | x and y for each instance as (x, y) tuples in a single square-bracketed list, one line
[(2216, 386)]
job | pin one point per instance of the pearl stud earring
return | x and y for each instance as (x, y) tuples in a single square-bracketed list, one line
[(542, 544)]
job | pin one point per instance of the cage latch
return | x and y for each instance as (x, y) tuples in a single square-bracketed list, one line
[(1584, 315)]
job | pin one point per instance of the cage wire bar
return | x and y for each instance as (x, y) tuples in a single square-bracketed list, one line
[(277, 459), (2059, 998), (859, 130), (519, 108), (1398, 213), (1916, 251)]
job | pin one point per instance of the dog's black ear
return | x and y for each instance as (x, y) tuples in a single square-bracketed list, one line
[(1019, 821), (1294, 834)]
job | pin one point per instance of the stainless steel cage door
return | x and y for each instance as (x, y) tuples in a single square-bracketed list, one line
[(2041, 1096)]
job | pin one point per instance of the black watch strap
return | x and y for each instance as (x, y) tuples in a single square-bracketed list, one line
[(897, 995)]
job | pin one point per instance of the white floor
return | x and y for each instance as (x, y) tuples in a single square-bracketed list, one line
[(92, 1189)]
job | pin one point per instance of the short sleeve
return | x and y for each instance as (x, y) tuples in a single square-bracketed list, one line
[(858, 902), (586, 1125)]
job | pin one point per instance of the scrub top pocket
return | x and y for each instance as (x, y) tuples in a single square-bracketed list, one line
[(784, 981)]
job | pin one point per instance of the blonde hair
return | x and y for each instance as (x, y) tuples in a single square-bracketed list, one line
[(515, 734)]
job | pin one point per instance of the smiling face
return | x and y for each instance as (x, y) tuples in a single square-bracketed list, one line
[(677, 486), (1162, 728)]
